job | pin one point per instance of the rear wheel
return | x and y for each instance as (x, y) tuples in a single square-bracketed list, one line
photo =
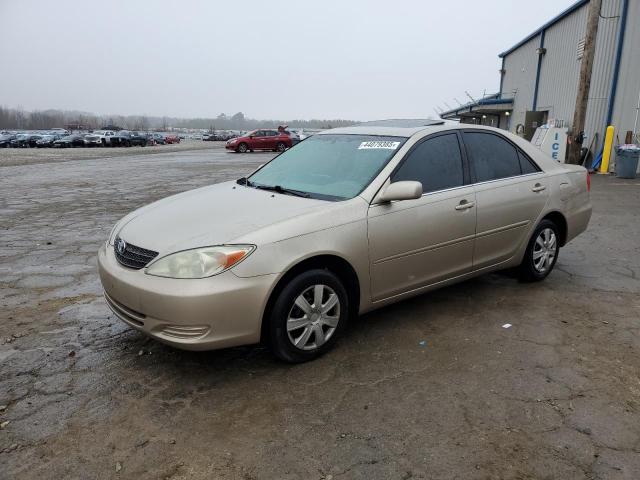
[(542, 252), (281, 147), (243, 147), (307, 316)]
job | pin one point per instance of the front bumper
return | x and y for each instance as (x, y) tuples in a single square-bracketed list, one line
[(204, 314), (231, 146)]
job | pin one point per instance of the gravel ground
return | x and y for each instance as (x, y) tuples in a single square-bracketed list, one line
[(433, 387), (30, 156)]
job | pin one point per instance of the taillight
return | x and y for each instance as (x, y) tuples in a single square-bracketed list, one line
[(588, 182)]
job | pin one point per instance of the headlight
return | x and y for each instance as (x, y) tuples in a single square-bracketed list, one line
[(200, 262), (112, 234)]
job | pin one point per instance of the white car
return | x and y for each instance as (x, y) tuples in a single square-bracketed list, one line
[(104, 135)]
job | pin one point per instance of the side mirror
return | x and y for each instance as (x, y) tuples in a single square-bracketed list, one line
[(405, 190)]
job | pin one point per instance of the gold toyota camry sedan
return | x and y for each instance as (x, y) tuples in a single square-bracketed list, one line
[(346, 221)]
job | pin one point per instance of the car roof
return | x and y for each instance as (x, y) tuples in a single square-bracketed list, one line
[(396, 127), (406, 132)]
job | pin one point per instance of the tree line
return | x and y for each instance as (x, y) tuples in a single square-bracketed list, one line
[(19, 119)]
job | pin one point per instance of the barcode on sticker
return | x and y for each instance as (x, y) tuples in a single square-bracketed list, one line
[(378, 144)]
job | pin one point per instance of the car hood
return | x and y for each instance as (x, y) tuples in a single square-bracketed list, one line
[(213, 215)]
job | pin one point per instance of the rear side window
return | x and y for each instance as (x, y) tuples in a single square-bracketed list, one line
[(526, 165), (492, 156), (436, 163)]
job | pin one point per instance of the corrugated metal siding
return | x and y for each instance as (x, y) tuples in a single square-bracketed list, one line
[(520, 76), (626, 101), (560, 68)]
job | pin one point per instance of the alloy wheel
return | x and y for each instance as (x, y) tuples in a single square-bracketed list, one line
[(545, 250), (313, 318)]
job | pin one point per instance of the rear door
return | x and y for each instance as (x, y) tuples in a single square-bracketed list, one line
[(413, 243), (271, 139), (511, 192)]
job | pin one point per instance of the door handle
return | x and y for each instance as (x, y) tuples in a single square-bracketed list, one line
[(538, 187), (464, 205)]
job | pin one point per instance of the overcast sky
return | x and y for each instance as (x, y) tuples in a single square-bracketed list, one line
[(354, 59)]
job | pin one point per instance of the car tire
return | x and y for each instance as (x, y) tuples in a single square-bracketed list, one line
[(281, 147), (541, 254), (243, 148), (294, 332)]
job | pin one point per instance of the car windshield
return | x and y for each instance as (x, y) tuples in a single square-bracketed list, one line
[(331, 167)]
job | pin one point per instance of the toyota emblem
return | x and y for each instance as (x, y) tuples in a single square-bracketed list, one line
[(121, 245)]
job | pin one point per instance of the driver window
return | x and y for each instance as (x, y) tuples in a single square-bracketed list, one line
[(436, 163)]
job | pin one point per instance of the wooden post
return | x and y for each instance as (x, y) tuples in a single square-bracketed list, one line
[(584, 82)]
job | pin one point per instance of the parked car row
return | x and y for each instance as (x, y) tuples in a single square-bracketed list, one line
[(220, 136), (97, 138)]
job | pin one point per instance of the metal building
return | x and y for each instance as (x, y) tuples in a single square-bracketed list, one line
[(539, 76)]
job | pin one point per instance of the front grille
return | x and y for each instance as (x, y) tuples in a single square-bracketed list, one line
[(132, 256)]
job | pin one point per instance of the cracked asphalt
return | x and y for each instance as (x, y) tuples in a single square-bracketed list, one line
[(433, 387)]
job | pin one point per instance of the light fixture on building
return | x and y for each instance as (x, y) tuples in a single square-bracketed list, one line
[(484, 116), (541, 51), (507, 113)]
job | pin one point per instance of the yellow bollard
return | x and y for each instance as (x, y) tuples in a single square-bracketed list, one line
[(606, 153)]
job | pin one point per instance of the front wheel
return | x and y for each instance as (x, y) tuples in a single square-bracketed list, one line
[(542, 252), (307, 316), (243, 147)]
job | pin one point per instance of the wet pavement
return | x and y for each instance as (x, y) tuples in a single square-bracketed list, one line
[(433, 387)]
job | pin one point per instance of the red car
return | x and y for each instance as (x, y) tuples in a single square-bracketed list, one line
[(169, 139), (277, 141)]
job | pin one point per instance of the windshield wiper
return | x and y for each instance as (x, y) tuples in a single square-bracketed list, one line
[(272, 188), (279, 189)]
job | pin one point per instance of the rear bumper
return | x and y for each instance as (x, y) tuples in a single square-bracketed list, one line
[(577, 221), (203, 314)]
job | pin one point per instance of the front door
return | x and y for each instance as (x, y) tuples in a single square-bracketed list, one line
[(414, 243), (259, 140)]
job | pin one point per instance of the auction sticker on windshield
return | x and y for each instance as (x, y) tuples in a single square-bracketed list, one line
[(378, 145)]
